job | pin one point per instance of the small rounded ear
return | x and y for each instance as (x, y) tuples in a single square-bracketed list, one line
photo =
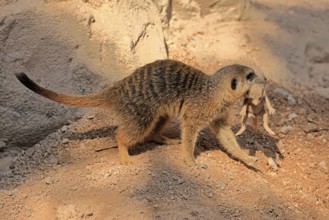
[(234, 83)]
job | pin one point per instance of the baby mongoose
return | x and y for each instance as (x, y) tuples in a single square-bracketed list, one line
[(256, 105), (144, 102)]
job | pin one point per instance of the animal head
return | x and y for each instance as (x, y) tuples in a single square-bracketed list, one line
[(237, 79), (257, 90)]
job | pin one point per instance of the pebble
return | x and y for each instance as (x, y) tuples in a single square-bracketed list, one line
[(291, 100), (89, 213), (202, 166), (323, 165), (272, 174), (65, 141), (12, 192), (64, 128), (90, 117), (324, 92), (285, 129), (309, 136), (2, 144), (287, 95), (310, 127), (221, 185), (49, 180), (292, 116)]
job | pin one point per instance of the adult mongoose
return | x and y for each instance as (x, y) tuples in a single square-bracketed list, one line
[(144, 102)]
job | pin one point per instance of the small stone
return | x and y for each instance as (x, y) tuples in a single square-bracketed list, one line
[(181, 181), (82, 146), (2, 144), (221, 185), (287, 95), (194, 213), (12, 192), (291, 100), (64, 128), (292, 116), (309, 136), (310, 127), (272, 174), (281, 92), (285, 129), (89, 213), (324, 92), (90, 117), (323, 165), (49, 180), (202, 166), (312, 165), (65, 141)]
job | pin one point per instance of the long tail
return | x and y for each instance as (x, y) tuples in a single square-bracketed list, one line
[(91, 100)]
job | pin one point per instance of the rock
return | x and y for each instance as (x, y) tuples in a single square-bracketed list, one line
[(73, 50), (324, 92), (202, 166), (291, 100), (65, 141), (64, 128), (310, 136), (90, 117), (285, 129), (5, 164), (221, 185), (316, 53), (89, 213), (310, 127), (292, 116), (49, 180), (281, 92), (12, 192), (2, 144), (323, 165)]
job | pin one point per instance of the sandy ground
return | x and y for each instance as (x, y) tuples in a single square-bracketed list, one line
[(75, 173)]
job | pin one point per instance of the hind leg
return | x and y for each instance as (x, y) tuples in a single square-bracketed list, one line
[(131, 133), (123, 145), (160, 138)]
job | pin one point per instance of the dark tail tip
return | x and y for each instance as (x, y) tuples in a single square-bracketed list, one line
[(22, 77), (26, 81)]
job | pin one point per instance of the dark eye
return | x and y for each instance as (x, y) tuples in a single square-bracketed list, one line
[(250, 76), (234, 84)]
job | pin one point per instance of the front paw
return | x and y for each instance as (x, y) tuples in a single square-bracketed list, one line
[(251, 161), (271, 111)]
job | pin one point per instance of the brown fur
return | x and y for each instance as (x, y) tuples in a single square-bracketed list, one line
[(145, 101)]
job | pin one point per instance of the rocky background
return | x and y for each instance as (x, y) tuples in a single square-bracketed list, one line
[(58, 162)]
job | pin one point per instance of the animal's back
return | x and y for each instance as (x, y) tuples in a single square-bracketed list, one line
[(156, 85)]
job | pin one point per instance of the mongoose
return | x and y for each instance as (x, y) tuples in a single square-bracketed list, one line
[(256, 105), (144, 102)]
